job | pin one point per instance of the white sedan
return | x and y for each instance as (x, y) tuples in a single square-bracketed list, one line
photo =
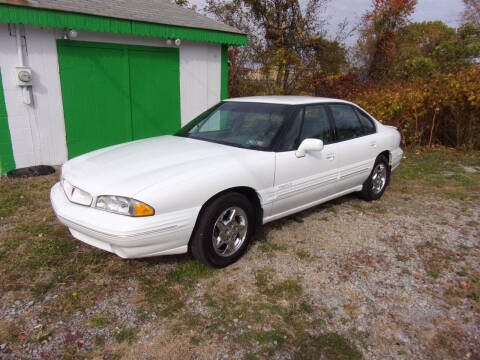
[(240, 164)]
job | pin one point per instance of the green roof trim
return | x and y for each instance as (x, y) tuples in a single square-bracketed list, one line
[(62, 19)]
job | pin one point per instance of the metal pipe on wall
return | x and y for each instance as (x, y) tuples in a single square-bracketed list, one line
[(21, 60)]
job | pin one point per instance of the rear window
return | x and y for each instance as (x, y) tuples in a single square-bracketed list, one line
[(347, 124), (367, 123)]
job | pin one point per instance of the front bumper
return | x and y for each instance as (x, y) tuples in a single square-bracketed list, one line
[(127, 237)]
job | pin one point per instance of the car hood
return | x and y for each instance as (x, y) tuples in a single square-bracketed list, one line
[(129, 168)]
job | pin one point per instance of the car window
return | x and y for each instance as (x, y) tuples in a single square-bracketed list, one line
[(367, 124), (247, 125), (316, 124), (292, 137), (215, 123), (347, 125)]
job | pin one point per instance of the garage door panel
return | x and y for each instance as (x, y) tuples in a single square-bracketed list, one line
[(115, 93), (96, 98), (155, 89)]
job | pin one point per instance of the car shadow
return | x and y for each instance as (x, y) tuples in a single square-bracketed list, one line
[(298, 217)]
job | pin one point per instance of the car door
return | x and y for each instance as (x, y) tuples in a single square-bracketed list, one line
[(357, 146), (305, 180)]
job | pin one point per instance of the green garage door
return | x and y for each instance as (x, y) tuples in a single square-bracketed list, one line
[(116, 93)]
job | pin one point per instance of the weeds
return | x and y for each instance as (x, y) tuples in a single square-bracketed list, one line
[(330, 346)]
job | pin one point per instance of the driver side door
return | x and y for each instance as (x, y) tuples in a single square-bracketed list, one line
[(300, 182)]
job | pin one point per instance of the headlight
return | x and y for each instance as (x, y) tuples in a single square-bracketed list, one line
[(123, 205), (75, 194)]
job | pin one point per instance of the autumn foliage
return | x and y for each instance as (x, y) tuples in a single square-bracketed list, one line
[(444, 109)]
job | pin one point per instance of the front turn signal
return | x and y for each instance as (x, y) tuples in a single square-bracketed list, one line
[(141, 209)]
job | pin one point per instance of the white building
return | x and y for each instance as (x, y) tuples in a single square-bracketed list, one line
[(77, 75)]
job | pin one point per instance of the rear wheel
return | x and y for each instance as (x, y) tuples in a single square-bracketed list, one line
[(377, 182), (224, 230)]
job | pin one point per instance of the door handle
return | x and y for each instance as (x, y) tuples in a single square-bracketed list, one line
[(373, 144), (330, 156)]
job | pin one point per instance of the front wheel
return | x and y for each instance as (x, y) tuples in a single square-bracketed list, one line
[(377, 182), (224, 230)]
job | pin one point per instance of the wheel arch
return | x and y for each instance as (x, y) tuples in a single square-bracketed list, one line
[(250, 193), (388, 155)]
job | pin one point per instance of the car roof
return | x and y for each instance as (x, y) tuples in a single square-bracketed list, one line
[(286, 100)]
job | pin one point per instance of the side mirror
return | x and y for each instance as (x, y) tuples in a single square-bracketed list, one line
[(309, 145)]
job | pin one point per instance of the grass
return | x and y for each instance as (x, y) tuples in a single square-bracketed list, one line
[(442, 170), (437, 260), (40, 260), (269, 247), (327, 346), (275, 337), (402, 258), (172, 287), (98, 321), (126, 335), (277, 290), (303, 254)]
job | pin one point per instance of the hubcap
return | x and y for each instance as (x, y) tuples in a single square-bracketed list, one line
[(379, 178), (230, 231)]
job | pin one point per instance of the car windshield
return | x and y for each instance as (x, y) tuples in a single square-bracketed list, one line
[(241, 124)]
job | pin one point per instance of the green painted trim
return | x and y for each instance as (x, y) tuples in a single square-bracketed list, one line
[(7, 162), (224, 73), (62, 19)]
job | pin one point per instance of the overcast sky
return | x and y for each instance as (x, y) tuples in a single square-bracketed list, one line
[(448, 11)]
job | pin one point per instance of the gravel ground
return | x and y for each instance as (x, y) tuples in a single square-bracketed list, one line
[(393, 279)]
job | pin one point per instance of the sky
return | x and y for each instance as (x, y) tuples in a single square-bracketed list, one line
[(448, 11)]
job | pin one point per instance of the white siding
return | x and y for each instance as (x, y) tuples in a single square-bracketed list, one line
[(38, 130), (19, 117), (200, 77), (49, 134)]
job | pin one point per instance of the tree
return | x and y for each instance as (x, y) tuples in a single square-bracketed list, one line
[(430, 47), (286, 41), (472, 12), (417, 45), (378, 33), (461, 51)]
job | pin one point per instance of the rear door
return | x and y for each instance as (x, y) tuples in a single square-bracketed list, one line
[(357, 146), (303, 181)]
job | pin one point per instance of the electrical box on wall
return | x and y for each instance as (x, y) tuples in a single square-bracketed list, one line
[(24, 80), (24, 76)]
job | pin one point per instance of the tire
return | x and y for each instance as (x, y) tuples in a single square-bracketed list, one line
[(224, 230), (378, 180)]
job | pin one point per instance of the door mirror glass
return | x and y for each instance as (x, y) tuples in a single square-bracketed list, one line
[(308, 145)]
